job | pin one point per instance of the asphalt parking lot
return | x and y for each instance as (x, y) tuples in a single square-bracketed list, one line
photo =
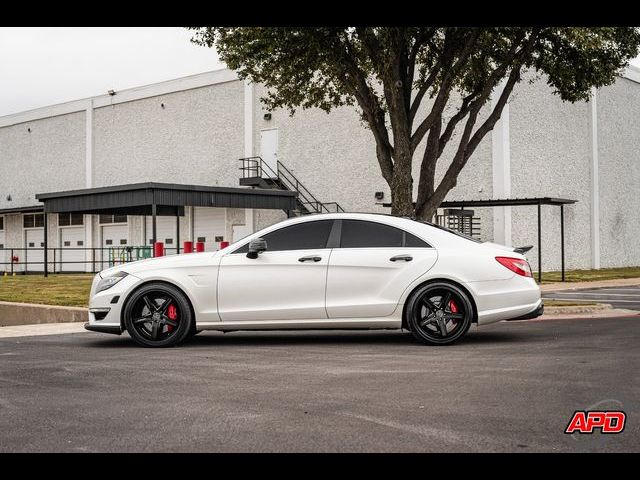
[(618, 297), (511, 386)]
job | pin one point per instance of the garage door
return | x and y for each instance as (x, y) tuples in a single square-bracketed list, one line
[(165, 232), (72, 253), (34, 256), (208, 227), (115, 239)]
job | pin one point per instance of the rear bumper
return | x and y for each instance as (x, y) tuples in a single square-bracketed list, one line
[(535, 313), (103, 328)]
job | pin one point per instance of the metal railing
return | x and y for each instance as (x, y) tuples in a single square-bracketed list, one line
[(286, 180), (63, 260)]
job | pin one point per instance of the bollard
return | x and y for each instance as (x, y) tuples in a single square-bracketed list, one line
[(188, 247), (158, 249), (199, 246)]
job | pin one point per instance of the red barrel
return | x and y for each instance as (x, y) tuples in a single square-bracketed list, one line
[(188, 247), (158, 249), (199, 246), (224, 244)]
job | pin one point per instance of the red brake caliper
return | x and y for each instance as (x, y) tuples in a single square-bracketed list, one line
[(172, 313), (452, 306)]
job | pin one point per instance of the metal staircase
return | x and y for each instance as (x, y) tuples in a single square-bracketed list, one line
[(257, 173)]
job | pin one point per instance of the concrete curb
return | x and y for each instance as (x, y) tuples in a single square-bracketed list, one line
[(31, 313), (561, 310), (560, 286)]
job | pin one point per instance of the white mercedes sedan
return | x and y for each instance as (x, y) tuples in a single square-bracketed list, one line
[(329, 271)]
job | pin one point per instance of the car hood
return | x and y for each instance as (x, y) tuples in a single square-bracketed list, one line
[(169, 261)]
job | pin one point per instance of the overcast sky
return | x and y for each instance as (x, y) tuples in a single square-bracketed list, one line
[(43, 66)]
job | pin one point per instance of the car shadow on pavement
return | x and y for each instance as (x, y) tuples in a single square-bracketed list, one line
[(317, 337)]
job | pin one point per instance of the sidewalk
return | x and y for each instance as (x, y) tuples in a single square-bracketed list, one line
[(616, 282)]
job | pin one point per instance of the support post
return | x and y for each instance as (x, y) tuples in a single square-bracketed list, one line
[(562, 239), (46, 245), (177, 233), (539, 244), (154, 211)]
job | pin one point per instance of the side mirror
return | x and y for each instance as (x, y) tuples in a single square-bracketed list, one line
[(256, 246)]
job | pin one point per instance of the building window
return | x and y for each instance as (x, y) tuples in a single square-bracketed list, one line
[(32, 220), (113, 219), (1, 223), (67, 219)]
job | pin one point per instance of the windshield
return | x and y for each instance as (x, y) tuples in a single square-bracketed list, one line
[(454, 232)]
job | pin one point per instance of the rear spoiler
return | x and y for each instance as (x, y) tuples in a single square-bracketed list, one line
[(523, 250)]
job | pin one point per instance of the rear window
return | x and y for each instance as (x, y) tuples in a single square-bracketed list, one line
[(453, 232), (365, 234)]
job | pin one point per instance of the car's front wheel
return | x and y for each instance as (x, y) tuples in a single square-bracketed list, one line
[(439, 313), (158, 315)]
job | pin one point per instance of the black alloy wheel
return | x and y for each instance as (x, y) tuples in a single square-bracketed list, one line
[(158, 315), (439, 313)]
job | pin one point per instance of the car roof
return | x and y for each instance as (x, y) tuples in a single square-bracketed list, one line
[(433, 234)]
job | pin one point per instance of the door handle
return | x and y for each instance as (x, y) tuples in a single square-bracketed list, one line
[(406, 258), (311, 258)]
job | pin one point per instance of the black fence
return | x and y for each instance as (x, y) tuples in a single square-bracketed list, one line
[(64, 260)]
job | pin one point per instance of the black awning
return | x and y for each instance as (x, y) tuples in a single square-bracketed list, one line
[(34, 209), (169, 199)]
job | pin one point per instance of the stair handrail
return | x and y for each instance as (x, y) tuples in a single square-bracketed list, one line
[(257, 165)]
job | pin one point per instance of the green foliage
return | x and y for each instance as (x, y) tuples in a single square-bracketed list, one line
[(388, 71)]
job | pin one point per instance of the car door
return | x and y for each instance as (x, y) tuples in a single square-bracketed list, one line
[(286, 282), (372, 267)]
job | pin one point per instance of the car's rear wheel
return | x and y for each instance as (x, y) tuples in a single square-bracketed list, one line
[(439, 313), (158, 315)]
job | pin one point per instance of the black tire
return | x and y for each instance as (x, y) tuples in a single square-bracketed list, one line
[(167, 312), (439, 313)]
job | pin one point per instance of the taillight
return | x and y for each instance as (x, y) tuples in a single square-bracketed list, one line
[(517, 265)]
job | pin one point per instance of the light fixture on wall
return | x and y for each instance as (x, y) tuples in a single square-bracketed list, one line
[(162, 105), (379, 195), (111, 92), (9, 198), (267, 116), (29, 129)]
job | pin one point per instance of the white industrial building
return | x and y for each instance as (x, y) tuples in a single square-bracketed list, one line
[(185, 138)]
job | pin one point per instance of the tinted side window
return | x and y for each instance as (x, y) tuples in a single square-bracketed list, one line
[(362, 234), (305, 236), (413, 241)]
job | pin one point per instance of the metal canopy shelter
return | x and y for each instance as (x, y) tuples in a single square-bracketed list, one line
[(165, 199), (517, 202)]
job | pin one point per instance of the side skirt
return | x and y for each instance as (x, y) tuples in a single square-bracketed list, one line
[(336, 323)]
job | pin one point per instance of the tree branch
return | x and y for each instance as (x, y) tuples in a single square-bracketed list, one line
[(445, 88)]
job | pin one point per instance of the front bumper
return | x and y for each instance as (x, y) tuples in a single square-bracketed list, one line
[(103, 328), (528, 316)]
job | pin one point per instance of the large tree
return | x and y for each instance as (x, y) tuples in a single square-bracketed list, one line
[(390, 72)]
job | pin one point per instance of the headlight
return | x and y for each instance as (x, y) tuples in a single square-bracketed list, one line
[(108, 282)]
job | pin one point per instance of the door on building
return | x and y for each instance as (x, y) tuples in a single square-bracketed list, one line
[(34, 255), (72, 254), (209, 227), (115, 239), (269, 152), (165, 232)]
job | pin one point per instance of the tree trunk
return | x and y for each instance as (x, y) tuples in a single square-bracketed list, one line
[(402, 181)]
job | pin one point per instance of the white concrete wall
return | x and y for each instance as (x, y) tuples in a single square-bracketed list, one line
[(49, 158), (550, 156), (619, 165), (197, 138)]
